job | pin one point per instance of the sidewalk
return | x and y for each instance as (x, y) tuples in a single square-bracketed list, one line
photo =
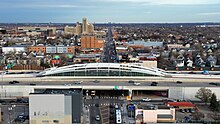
[(126, 119), (86, 116)]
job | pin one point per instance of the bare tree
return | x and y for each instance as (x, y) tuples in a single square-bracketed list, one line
[(204, 95)]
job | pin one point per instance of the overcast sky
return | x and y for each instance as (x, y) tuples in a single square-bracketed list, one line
[(71, 11)]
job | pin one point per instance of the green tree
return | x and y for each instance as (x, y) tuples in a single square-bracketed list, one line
[(204, 95), (214, 105)]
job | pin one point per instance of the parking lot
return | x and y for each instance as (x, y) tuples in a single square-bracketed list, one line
[(15, 114)]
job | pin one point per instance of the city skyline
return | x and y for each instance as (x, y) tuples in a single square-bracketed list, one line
[(118, 11)]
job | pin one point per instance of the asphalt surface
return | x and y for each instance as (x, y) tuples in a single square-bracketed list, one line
[(101, 106), (9, 116), (117, 83), (109, 50)]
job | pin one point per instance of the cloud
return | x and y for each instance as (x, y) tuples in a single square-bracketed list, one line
[(209, 13), (168, 2)]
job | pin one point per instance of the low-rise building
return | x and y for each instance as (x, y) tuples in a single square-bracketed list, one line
[(55, 106), (154, 114), (7, 50)]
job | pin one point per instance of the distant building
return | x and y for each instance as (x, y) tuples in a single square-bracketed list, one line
[(154, 114), (7, 50), (70, 30), (141, 44), (52, 49), (47, 30), (55, 106), (175, 46), (85, 28), (37, 49)]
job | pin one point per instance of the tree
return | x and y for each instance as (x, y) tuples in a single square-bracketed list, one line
[(198, 115), (204, 95), (214, 105)]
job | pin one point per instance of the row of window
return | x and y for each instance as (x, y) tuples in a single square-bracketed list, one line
[(101, 73)]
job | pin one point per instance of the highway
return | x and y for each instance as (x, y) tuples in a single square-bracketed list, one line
[(114, 83)]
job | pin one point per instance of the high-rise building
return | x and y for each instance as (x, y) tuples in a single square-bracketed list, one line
[(85, 28)]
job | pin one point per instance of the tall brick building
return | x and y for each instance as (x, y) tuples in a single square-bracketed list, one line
[(91, 42)]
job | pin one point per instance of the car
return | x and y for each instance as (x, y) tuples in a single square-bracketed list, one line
[(192, 110), (33, 84), (96, 81), (137, 83), (19, 120), (131, 82), (116, 107), (214, 83), (78, 82), (111, 117), (13, 82), (97, 105), (146, 99), (97, 118), (154, 84), (16, 82), (111, 106), (67, 84), (187, 110), (192, 72), (179, 82), (112, 111), (182, 110)]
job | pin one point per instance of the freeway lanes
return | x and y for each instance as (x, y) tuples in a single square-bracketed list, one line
[(114, 83)]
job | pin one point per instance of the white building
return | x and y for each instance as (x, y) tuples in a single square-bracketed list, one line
[(7, 50), (55, 108)]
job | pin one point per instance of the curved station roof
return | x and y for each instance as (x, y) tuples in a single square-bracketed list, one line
[(103, 69)]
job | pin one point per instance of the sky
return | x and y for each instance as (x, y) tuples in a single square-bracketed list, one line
[(102, 11)]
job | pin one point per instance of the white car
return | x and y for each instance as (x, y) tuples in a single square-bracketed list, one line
[(146, 99), (67, 84), (78, 82), (137, 83), (97, 118)]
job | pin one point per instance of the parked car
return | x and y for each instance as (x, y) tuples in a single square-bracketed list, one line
[(192, 110), (146, 99), (182, 110), (97, 118)]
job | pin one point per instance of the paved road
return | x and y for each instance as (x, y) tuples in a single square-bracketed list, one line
[(101, 107), (109, 52), (116, 83), (9, 116)]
